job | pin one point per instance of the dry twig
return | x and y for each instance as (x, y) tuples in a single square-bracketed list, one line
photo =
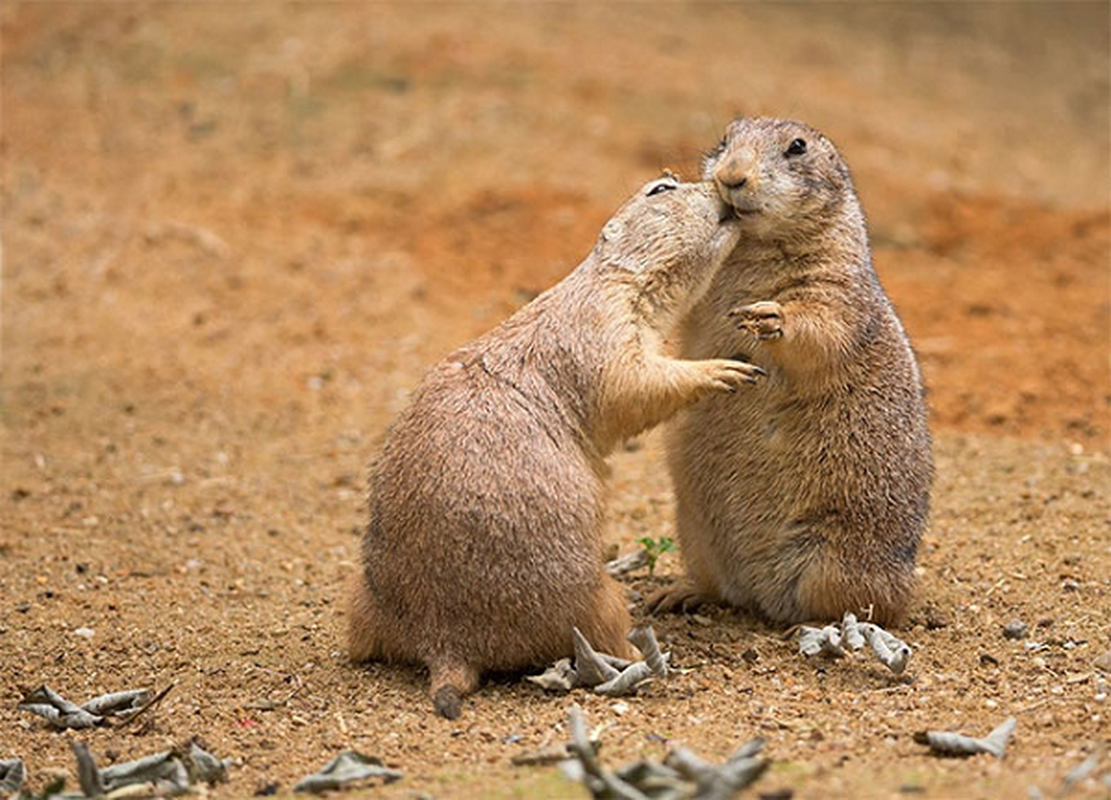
[(957, 744), (63, 714), (346, 768), (607, 675), (12, 775)]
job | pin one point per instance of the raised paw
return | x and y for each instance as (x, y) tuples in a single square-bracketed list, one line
[(764, 320), (678, 598), (726, 374)]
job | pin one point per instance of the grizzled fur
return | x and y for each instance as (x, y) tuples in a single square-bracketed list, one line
[(484, 546), (806, 497)]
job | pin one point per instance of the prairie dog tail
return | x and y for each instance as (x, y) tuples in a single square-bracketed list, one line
[(452, 680), (364, 638)]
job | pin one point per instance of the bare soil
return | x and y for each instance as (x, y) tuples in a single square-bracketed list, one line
[(235, 236)]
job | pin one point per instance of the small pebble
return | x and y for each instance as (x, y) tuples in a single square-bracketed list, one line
[(1015, 629), (84, 633), (1103, 663)]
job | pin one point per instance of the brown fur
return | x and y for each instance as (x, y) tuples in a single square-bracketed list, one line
[(484, 547), (806, 497)]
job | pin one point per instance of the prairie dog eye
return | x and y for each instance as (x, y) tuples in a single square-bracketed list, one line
[(661, 186), (795, 148)]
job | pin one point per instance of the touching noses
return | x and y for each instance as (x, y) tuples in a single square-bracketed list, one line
[(732, 174)]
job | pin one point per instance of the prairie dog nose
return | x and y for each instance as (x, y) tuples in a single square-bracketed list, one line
[(732, 175)]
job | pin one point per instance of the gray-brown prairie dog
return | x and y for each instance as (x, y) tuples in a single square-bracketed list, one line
[(806, 497), (483, 547)]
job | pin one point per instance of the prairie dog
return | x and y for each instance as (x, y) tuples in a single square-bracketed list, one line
[(484, 547), (806, 497)]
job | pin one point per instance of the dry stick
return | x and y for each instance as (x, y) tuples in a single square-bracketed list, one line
[(92, 785), (654, 665), (203, 766), (1081, 771), (164, 772), (616, 662), (889, 649), (349, 766), (12, 775), (118, 702), (995, 743), (690, 766), (644, 640), (625, 682), (720, 782), (735, 776), (153, 702), (580, 745), (627, 563), (851, 633), (560, 677), (57, 710), (654, 779), (749, 749), (589, 666), (815, 641)]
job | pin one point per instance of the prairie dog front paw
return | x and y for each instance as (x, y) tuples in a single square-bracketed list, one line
[(764, 320), (726, 375)]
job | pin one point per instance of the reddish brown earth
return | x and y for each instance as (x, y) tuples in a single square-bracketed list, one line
[(235, 236)]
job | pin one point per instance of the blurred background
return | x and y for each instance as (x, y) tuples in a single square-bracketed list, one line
[(204, 194), (236, 234)]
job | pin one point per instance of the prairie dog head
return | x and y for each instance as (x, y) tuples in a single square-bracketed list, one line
[(782, 178), (668, 240)]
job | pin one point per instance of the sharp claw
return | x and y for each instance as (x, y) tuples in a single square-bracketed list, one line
[(759, 370)]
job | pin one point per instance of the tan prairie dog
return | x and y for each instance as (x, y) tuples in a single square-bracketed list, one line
[(806, 497), (484, 545)]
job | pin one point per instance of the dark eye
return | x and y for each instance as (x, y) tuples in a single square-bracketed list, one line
[(660, 187), (796, 148)]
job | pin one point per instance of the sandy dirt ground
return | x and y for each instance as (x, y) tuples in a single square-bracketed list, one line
[(234, 237)]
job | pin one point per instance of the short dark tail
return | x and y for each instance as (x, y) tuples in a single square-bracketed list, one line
[(451, 682), (448, 702)]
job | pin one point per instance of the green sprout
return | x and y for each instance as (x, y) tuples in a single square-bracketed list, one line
[(656, 548)]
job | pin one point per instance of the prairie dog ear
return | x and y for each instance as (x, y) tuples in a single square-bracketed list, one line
[(613, 231), (612, 249), (616, 251)]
